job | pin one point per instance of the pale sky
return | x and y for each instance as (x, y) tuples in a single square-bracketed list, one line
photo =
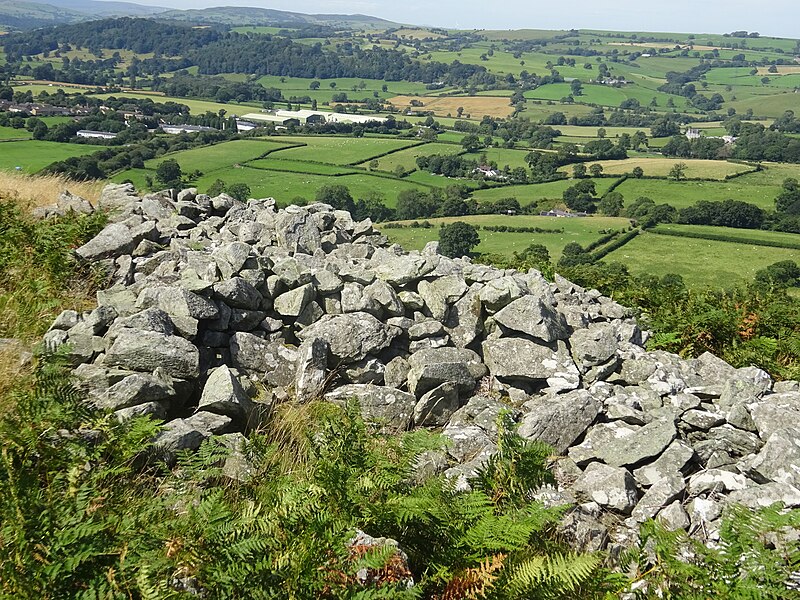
[(769, 17)]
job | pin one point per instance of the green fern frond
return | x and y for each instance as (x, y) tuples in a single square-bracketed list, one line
[(554, 576)]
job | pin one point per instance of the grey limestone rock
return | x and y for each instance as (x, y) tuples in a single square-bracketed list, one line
[(610, 487), (189, 433), (762, 496), (292, 303), (312, 369), (381, 406), (223, 394), (146, 351), (516, 359), (645, 443), (440, 293), (500, 292), (138, 388), (114, 240), (437, 406), (177, 302), (238, 293), (779, 459), (662, 493), (559, 420), (531, 316), (432, 367), (675, 458), (673, 517), (350, 336)]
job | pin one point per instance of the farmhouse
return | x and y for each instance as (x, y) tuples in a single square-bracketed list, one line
[(104, 135), (488, 172), (176, 129), (561, 213), (693, 134)]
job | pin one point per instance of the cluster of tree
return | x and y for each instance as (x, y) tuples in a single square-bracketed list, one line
[(217, 88), (755, 142), (787, 123), (458, 239), (517, 129), (245, 54), (728, 213), (449, 165), (141, 36), (702, 147)]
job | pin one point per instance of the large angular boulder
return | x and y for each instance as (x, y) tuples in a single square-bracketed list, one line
[(779, 459), (350, 336), (432, 367), (147, 351), (517, 359), (559, 420), (530, 316), (610, 487), (224, 394)]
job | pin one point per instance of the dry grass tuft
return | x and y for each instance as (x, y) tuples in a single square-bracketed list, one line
[(33, 191), (14, 372)]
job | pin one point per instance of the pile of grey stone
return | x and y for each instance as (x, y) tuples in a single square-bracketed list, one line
[(217, 310)]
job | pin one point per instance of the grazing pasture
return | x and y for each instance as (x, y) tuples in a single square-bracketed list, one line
[(702, 263), (581, 230)]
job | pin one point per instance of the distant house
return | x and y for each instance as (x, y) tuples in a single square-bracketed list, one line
[(488, 172), (729, 139), (88, 133), (561, 213), (693, 134), (176, 129)]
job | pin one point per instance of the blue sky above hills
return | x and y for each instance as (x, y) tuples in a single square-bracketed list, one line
[(769, 17)]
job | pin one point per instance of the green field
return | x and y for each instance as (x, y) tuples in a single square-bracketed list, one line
[(583, 231), (33, 155), (686, 193), (773, 237), (339, 150), (660, 167), (220, 156), (298, 166), (407, 158), (527, 194), (10, 133), (195, 106), (702, 263)]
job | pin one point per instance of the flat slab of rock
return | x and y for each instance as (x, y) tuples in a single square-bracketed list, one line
[(147, 351), (380, 406), (523, 360), (647, 442)]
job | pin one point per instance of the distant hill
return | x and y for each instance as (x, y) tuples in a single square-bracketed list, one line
[(30, 15), (239, 16), (95, 9)]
